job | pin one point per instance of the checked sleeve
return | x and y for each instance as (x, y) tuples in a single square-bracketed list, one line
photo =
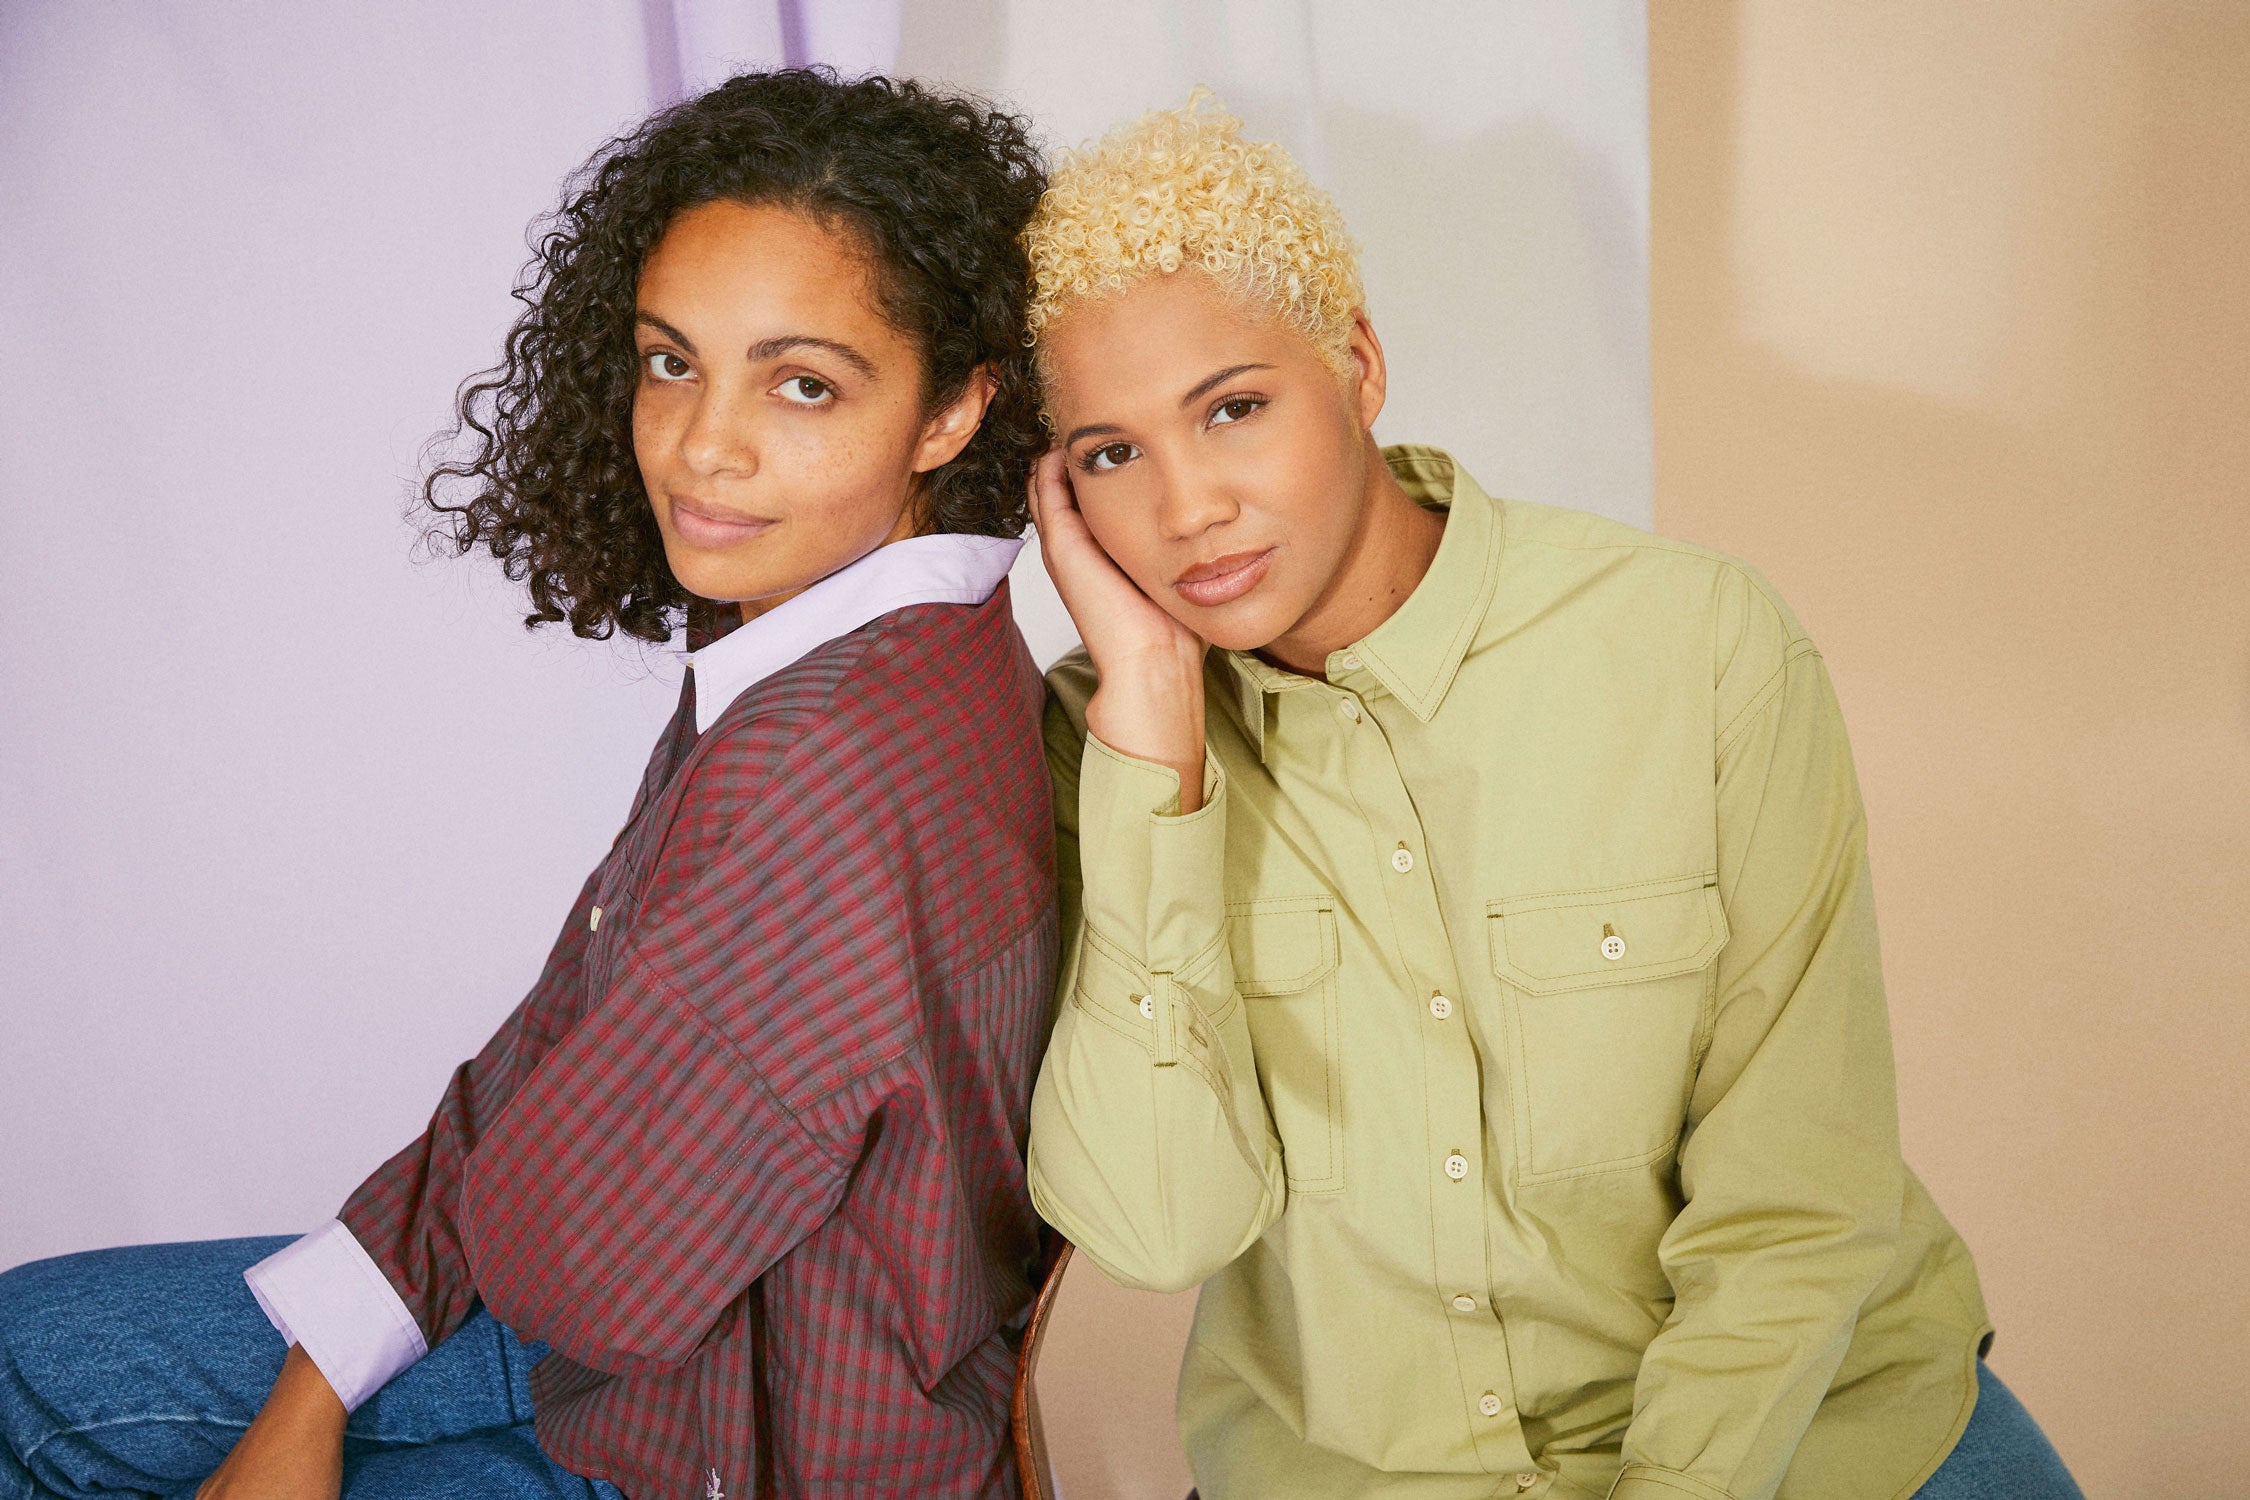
[(405, 1218), (757, 1004)]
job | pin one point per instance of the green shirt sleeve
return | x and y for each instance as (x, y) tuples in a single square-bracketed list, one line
[(1791, 1166), (1150, 1145)]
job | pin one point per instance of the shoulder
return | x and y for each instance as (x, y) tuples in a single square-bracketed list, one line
[(1070, 685), (1576, 541), (1656, 586)]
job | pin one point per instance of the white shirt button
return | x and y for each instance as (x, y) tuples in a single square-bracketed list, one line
[(1613, 947), (1457, 1166), (594, 920), (1464, 1303), (1440, 1006), (1489, 1405), (1526, 1481), (1401, 860), (1349, 709), (1348, 662), (1147, 1003)]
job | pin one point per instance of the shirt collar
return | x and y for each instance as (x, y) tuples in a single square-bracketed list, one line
[(1417, 652), (948, 568)]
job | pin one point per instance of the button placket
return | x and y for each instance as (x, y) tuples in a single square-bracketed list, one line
[(1458, 1207)]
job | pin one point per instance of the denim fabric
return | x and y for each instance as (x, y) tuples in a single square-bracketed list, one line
[(2002, 1456), (132, 1372)]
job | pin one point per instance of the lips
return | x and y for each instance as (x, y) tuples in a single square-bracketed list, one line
[(1223, 580), (702, 524)]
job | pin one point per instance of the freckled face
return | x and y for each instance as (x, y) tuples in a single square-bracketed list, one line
[(778, 418), (1215, 456)]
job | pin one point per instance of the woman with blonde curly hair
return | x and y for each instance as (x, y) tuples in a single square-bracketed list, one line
[(1471, 976)]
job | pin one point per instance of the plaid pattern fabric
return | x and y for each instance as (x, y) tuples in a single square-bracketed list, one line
[(750, 1154)]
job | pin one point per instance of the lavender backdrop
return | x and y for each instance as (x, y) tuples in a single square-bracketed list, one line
[(286, 820)]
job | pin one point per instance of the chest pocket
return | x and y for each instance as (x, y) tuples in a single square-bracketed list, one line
[(1607, 993), (1285, 958)]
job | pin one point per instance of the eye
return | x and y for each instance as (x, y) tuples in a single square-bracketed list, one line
[(665, 366), (1110, 456), (805, 390), (1234, 409)]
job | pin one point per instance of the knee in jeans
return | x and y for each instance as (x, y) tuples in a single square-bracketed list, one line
[(45, 1307)]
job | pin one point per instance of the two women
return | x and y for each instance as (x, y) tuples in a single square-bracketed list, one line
[(1470, 978)]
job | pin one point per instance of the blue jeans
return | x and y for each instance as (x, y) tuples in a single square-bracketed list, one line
[(2001, 1456), (133, 1372)]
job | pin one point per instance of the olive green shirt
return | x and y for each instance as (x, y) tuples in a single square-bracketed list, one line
[(1502, 1047)]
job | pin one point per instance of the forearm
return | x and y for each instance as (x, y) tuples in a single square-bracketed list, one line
[(293, 1448), (1150, 1147), (1150, 1144), (1150, 707), (302, 1403), (1790, 1169)]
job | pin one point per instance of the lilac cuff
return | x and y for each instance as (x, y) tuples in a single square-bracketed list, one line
[(326, 1294)]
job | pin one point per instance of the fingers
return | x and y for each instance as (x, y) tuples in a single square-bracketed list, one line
[(1050, 490)]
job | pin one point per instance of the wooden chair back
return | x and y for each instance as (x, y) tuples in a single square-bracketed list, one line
[(1033, 1467)]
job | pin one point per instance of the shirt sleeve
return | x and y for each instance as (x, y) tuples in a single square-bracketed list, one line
[(1150, 1144), (406, 1217), (326, 1295), (707, 1113), (1790, 1167)]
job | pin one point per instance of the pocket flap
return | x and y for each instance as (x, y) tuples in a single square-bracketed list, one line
[(1579, 939), (1281, 947)]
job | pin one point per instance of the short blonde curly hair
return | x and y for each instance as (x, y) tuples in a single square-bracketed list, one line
[(1181, 187)]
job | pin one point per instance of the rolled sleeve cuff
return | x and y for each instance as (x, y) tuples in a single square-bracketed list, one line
[(1155, 879), (1641, 1482), (325, 1294)]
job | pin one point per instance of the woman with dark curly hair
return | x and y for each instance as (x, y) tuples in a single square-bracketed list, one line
[(734, 1203)]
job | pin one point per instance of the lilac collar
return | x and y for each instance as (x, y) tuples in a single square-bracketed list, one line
[(948, 568)]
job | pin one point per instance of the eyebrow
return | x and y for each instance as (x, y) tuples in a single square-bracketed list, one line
[(780, 344), (766, 349), (1219, 378), (1091, 429), (1202, 387), (651, 320)]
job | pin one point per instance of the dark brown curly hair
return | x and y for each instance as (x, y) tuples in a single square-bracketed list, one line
[(937, 188)]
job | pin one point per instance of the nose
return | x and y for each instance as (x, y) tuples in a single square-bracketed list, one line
[(1192, 504), (720, 436)]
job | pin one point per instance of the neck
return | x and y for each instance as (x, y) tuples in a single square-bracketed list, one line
[(1388, 556), (912, 521)]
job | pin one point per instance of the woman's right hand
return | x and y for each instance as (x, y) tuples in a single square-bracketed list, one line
[(1149, 702), (293, 1449)]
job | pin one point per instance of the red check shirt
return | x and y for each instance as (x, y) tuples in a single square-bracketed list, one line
[(750, 1154)]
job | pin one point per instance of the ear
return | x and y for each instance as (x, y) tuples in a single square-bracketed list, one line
[(949, 429), (1365, 381)]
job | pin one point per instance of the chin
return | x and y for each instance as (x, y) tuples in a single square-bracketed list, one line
[(1249, 628), (710, 578)]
